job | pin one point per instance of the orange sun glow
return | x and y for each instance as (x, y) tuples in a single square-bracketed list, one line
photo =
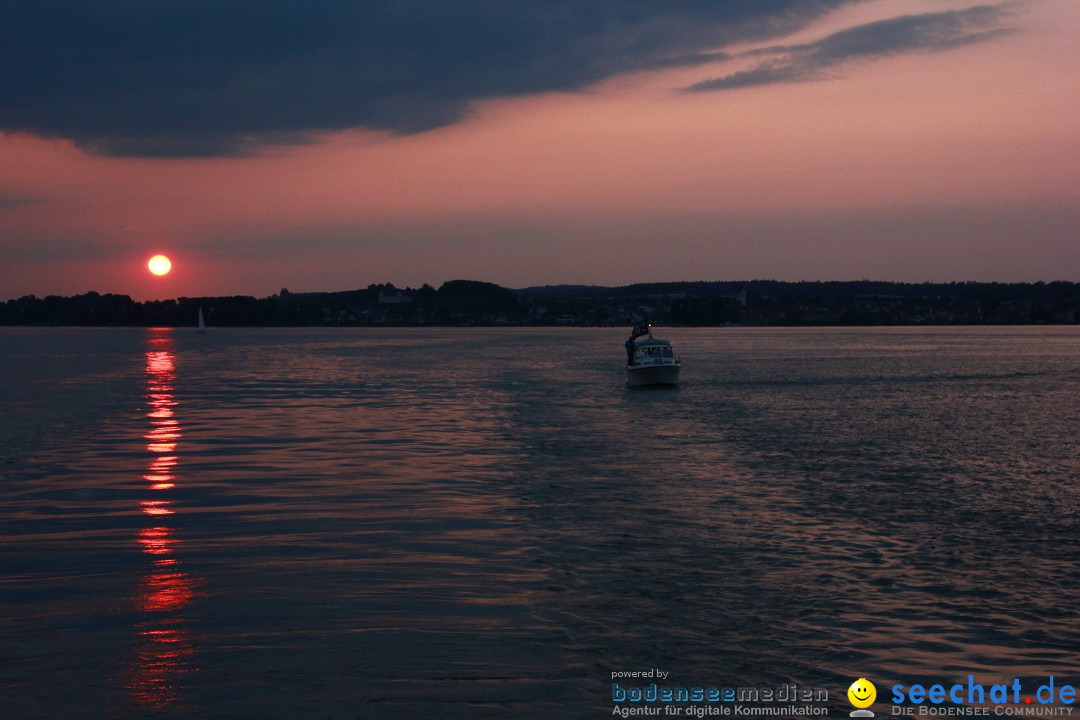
[(159, 265)]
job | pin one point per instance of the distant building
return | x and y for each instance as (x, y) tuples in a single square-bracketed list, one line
[(396, 299)]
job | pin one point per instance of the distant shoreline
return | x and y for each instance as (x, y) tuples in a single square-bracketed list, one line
[(469, 303)]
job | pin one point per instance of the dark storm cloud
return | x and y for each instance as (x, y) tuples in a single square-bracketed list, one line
[(208, 77), (910, 33)]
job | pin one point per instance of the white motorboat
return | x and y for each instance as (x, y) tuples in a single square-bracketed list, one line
[(651, 361)]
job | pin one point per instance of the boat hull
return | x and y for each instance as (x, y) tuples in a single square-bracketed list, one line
[(654, 375)]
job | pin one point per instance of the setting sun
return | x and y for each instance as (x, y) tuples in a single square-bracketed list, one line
[(159, 265)]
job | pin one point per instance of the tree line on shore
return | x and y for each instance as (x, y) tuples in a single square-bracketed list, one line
[(468, 302)]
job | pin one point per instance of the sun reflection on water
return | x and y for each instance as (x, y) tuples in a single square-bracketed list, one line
[(164, 648)]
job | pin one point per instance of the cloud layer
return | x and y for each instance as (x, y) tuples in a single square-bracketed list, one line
[(927, 32), (204, 77)]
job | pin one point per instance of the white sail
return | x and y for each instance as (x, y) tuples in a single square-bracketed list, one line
[(202, 323)]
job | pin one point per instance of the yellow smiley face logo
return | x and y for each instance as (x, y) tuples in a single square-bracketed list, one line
[(862, 693)]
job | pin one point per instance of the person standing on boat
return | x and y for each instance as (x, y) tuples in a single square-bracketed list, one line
[(637, 331)]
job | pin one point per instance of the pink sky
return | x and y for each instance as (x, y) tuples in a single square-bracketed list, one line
[(960, 164)]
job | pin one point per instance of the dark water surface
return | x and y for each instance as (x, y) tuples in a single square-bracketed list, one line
[(456, 523)]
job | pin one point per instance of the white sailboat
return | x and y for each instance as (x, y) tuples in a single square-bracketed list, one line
[(202, 323)]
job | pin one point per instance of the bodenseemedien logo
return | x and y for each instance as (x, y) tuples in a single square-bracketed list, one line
[(699, 701)]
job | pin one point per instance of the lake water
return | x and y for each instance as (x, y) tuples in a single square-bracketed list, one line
[(485, 523)]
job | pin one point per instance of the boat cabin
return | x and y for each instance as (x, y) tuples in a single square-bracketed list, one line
[(654, 352)]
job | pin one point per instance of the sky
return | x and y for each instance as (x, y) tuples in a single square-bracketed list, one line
[(330, 144)]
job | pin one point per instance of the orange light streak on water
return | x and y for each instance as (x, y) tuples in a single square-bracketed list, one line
[(156, 508), (163, 645), (156, 540), (160, 476)]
